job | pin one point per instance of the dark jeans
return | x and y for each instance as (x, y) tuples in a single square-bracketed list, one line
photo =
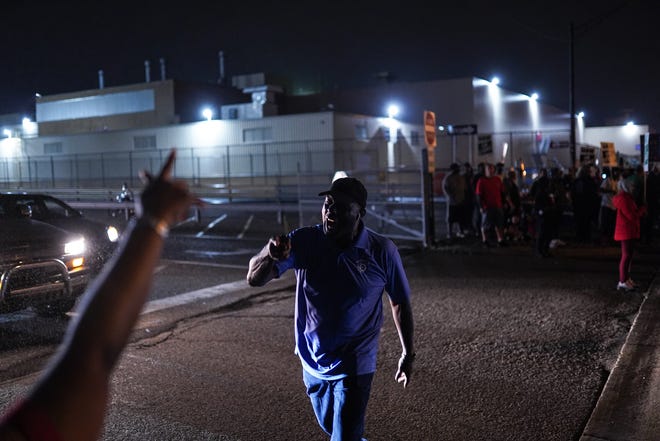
[(340, 405), (627, 248)]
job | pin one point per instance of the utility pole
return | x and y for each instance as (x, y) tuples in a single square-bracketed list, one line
[(571, 92), (583, 28)]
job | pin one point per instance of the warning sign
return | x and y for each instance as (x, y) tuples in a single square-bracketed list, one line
[(429, 129)]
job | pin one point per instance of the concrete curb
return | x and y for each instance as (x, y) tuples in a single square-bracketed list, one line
[(161, 315), (629, 405)]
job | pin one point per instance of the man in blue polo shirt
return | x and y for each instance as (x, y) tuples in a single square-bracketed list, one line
[(342, 269)]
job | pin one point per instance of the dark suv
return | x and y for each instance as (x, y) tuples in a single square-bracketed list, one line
[(100, 238), (40, 266)]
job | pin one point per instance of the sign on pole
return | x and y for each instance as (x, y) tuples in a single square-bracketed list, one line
[(485, 144), (429, 129), (462, 129), (645, 158), (608, 154), (430, 138), (587, 155)]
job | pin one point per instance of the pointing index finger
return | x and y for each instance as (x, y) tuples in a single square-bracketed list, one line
[(166, 171)]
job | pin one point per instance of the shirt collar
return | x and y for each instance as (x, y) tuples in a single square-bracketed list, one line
[(362, 240)]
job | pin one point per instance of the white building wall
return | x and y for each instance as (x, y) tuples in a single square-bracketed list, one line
[(626, 138), (372, 143), (203, 134)]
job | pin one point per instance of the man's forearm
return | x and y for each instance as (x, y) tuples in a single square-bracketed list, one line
[(261, 268), (403, 320)]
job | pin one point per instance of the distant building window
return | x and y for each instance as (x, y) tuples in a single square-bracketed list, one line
[(51, 148), (233, 113), (414, 137), (106, 104), (361, 132), (258, 134), (144, 142)]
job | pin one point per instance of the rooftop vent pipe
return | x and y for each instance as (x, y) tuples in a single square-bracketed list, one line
[(221, 57), (162, 69), (147, 71), (101, 79)]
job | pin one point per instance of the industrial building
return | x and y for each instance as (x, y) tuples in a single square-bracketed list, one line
[(254, 129)]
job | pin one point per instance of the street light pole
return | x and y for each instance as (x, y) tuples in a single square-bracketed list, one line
[(583, 27), (571, 92)]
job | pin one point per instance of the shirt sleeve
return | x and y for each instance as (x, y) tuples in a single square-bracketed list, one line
[(398, 288)]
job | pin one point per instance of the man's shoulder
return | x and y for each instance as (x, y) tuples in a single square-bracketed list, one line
[(379, 241), (308, 232)]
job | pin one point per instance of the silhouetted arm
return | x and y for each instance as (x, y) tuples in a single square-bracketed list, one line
[(74, 389)]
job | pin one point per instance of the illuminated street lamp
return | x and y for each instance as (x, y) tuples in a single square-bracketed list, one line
[(392, 110), (207, 113)]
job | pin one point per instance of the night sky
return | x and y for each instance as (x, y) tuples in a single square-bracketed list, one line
[(59, 47)]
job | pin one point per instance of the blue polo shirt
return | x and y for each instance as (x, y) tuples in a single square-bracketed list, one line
[(339, 310)]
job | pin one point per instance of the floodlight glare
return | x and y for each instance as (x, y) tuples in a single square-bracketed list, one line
[(534, 96), (495, 81), (580, 115), (207, 113), (392, 110)]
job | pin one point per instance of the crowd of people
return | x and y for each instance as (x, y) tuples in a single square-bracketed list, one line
[(496, 202)]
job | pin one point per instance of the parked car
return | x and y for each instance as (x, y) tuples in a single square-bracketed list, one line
[(41, 266), (101, 238)]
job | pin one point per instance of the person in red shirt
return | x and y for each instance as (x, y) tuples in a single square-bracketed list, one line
[(626, 229), (490, 196)]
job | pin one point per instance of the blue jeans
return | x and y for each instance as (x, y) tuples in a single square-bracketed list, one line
[(340, 405)]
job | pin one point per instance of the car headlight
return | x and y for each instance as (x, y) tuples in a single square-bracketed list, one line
[(75, 246), (112, 233)]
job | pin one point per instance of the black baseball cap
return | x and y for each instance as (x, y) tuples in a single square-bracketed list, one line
[(350, 188)]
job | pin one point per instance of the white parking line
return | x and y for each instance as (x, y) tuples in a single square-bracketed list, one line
[(212, 224), (17, 316), (245, 227), (215, 265), (204, 293)]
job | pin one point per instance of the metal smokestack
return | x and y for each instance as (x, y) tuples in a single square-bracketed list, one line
[(162, 69), (221, 57), (147, 71), (100, 78)]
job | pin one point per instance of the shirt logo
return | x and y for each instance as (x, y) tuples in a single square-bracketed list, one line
[(361, 265)]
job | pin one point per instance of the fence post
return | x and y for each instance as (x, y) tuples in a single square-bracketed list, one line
[(428, 211), (263, 148), (29, 169), (251, 169), (199, 172), (52, 172), (229, 189), (130, 169), (102, 170)]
